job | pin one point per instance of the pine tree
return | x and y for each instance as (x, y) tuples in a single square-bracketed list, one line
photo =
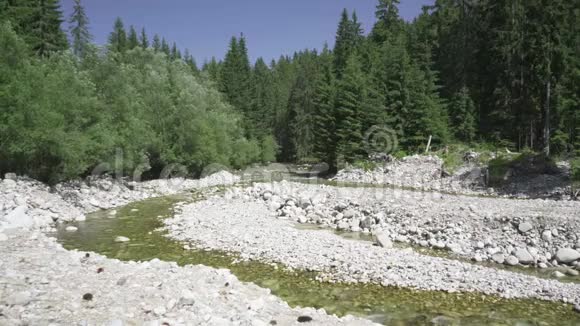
[(349, 103), (46, 34), (79, 29), (213, 70), (133, 39), (388, 21), (462, 113), (348, 37), (324, 112), (235, 75), (190, 61), (144, 40), (262, 100), (118, 38), (156, 43), (301, 107), (165, 48)]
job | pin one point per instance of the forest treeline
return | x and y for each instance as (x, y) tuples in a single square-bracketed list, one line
[(505, 73)]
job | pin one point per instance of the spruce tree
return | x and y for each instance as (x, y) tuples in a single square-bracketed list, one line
[(235, 75), (144, 40), (79, 29), (462, 114), (349, 103), (190, 61), (324, 110), (262, 100), (213, 70), (388, 21), (156, 43), (46, 34), (165, 48), (348, 36), (133, 39), (118, 38)]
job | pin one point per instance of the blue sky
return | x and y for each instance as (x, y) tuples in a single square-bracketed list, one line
[(272, 27)]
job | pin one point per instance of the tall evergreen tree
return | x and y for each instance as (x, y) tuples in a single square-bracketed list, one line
[(348, 37), (262, 100), (165, 48), (388, 21), (213, 70), (349, 103), (132, 39), (118, 38), (462, 113), (324, 112), (156, 43), (79, 29), (235, 76), (47, 35), (144, 40)]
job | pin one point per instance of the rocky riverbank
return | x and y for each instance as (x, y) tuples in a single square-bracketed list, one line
[(257, 222), (428, 173), (42, 283), (29, 204), (541, 233)]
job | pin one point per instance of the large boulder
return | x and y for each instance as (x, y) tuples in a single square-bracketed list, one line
[(18, 218), (524, 256), (567, 255)]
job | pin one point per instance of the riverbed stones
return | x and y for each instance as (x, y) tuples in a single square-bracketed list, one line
[(511, 261), (547, 235), (384, 241), (567, 255), (525, 227), (21, 298), (71, 228), (523, 256), (122, 239), (498, 258), (558, 274)]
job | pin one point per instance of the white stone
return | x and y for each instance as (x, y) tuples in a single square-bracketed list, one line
[(525, 227), (18, 218), (384, 241), (567, 255), (547, 236), (122, 239), (511, 261), (71, 228)]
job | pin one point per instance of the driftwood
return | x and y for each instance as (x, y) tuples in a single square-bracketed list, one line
[(428, 144)]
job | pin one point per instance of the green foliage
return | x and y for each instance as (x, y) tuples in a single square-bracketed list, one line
[(269, 149), (576, 171), (365, 165), (61, 121)]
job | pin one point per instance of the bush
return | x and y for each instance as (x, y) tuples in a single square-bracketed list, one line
[(269, 149)]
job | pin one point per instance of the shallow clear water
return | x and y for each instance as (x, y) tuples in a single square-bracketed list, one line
[(390, 306)]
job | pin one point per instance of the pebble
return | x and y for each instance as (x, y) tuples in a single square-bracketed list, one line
[(525, 227), (511, 261), (71, 228), (122, 239), (19, 299)]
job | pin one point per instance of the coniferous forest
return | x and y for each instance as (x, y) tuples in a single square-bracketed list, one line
[(500, 73)]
